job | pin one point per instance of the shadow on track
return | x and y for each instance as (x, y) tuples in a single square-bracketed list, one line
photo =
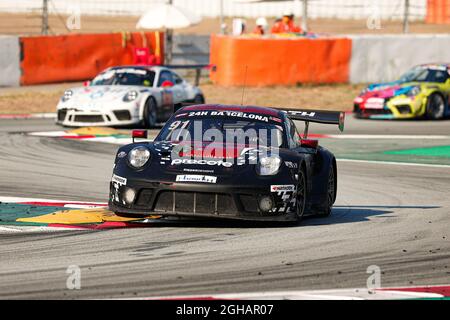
[(340, 214)]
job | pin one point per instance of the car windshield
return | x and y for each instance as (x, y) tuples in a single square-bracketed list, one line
[(125, 77), (421, 74), (222, 130)]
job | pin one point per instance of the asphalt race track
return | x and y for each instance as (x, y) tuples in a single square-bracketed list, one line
[(393, 216)]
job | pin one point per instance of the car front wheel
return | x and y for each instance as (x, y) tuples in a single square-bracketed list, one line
[(331, 193), (150, 113), (301, 195), (435, 107)]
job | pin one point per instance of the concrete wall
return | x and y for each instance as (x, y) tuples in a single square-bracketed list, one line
[(9, 61), (385, 58)]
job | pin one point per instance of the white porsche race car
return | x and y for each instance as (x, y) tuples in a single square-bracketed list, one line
[(125, 96)]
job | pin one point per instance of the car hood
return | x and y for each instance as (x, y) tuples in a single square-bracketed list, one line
[(94, 95), (388, 90)]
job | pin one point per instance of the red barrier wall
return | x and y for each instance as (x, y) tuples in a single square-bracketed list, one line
[(438, 11), (48, 59), (279, 61)]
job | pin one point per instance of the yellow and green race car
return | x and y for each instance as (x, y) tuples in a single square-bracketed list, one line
[(423, 91)]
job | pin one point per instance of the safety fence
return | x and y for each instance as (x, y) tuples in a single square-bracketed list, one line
[(342, 9)]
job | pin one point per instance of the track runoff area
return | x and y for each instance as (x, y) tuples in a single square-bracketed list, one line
[(392, 173)]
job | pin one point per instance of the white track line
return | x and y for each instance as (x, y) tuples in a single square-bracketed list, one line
[(397, 163), (29, 116), (29, 229)]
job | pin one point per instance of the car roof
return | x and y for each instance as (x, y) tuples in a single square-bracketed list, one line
[(237, 108), (430, 65), (153, 68)]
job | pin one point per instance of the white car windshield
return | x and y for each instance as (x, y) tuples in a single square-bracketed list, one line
[(125, 77)]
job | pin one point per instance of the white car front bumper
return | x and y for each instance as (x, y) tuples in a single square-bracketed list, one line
[(80, 118)]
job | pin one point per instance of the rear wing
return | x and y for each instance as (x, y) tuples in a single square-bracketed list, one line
[(318, 116)]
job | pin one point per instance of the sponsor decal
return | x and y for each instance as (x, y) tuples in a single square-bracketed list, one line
[(291, 165), (302, 113), (202, 162), (196, 178), (374, 103), (286, 193), (231, 114), (121, 154), (97, 94), (119, 180), (198, 170), (280, 188)]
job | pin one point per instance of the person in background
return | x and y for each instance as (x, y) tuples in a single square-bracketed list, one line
[(286, 25), (261, 26), (276, 28)]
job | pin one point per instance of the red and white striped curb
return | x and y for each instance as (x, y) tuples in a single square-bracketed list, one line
[(29, 116), (425, 292)]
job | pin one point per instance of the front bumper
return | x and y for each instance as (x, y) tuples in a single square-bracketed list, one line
[(77, 118), (202, 201), (395, 108)]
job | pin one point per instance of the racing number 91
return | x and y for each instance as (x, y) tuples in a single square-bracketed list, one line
[(235, 309)]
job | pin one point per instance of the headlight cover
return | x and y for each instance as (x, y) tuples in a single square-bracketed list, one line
[(67, 95), (268, 166), (130, 96), (138, 157), (414, 91)]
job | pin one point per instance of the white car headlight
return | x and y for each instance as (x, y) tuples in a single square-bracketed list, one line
[(138, 157), (268, 166), (130, 96), (67, 95)]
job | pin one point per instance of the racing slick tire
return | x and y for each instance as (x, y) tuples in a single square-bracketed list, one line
[(150, 113), (435, 107), (301, 195), (331, 193), (199, 99)]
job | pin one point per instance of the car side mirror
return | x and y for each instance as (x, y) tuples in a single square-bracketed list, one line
[(86, 83), (167, 84)]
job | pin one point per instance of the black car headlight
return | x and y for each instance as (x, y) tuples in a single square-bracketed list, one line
[(268, 166), (67, 95), (130, 96), (138, 157)]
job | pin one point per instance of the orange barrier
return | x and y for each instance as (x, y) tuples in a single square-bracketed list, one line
[(264, 62), (48, 59), (438, 11)]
